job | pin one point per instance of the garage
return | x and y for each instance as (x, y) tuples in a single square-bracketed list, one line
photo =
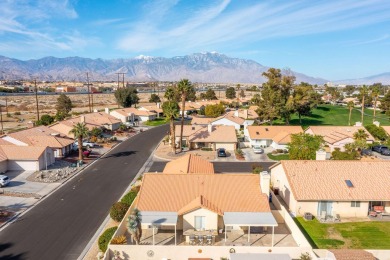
[(227, 146), (19, 165)]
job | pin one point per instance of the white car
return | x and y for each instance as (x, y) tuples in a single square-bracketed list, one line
[(85, 144), (4, 180), (258, 149)]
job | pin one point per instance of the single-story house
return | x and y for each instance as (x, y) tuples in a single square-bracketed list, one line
[(277, 137), (327, 188), (337, 136), (157, 109), (189, 164), (188, 130), (133, 115), (226, 119)]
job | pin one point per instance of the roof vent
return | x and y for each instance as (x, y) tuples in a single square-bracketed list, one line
[(266, 129), (257, 133), (349, 183), (193, 128), (55, 134)]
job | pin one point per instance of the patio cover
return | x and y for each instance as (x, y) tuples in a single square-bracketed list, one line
[(247, 256), (253, 219), (156, 218)]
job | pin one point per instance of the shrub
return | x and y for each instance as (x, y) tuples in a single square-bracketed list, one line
[(119, 240), (136, 188), (129, 197), (93, 139), (105, 238), (338, 155), (17, 114), (256, 168), (118, 211), (206, 149), (377, 132), (279, 150), (239, 152)]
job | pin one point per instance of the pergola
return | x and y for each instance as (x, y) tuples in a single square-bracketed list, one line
[(250, 219), (158, 218)]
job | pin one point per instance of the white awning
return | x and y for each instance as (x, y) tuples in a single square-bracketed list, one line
[(157, 218), (248, 256), (254, 219)]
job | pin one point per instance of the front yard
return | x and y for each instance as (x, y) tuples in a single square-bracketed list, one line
[(357, 235), (278, 157), (156, 122)]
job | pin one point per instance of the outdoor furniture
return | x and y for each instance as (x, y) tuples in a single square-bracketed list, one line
[(209, 240), (373, 214), (192, 240), (379, 209), (336, 217), (323, 216), (201, 241)]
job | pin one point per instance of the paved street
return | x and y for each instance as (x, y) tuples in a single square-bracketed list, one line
[(61, 226)]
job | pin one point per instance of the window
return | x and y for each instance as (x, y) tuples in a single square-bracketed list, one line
[(355, 204), (200, 223)]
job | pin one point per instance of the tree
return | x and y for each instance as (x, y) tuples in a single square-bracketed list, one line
[(304, 146), (230, 93), (63, 106), (304, 98), (242, 93), (334, 93), (360, 139), (202, 110), (79, 131), (348, 154), (171, 111), (377, 132), (134, 225), (171, 94), (209, 95), (385, 104), (96, 131), (45, 120), (363, 94), (375, 90), (154, 98), (184, 87), (126, 97), (350, 105), (214, 110), (349, 89), (256, 99)]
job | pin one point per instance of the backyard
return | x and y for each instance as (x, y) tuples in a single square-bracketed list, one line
[(335, 115), (357, 235)]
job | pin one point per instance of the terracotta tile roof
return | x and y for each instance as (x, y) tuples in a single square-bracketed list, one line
[(235, 119), (218, 192), (387, 129), (254, 108), (14, 152), (189, 163), (137, 112), (279, 134), (197, 203), (197, 120), (50, 141), (5, 142), (352, 254), (244, 113), (100, 118), (219, 134), (188, 129), (152, 108), (325, 180), (333, 134)]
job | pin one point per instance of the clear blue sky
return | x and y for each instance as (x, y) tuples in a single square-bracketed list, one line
[(330, 39)]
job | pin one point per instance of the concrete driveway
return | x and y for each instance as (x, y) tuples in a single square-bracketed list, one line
[(383, 157), (230, 157), (250, 156)]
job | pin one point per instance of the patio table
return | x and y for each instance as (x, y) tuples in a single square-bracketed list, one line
[(200, 233)]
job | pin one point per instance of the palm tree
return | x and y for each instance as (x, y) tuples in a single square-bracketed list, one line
[(184, 87), (79, 131), (375, 94), (170, 93), (171, 110), (134, 225), (360, 135), (350, 105), (363, 92)]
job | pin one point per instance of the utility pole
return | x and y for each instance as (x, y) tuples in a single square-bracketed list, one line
[(89, 97), (1, 119), (123, 79), (36, 98)]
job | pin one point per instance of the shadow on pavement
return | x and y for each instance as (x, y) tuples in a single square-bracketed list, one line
[(120, 154), (4, 246)]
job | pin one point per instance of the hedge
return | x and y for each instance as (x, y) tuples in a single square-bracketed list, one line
[(118, 211), (377, 132), (129, 197), (105, 238)]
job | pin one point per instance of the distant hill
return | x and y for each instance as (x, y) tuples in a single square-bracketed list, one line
[(210, 67), (383, 78)]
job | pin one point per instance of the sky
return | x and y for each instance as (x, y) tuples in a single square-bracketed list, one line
[(334, 40)]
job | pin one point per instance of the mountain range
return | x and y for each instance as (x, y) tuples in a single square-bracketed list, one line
[(209, 67)]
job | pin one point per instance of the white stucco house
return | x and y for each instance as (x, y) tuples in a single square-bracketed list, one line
[(276, 137)]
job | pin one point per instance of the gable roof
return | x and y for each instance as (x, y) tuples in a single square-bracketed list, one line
[(188, 129), (219, 134), (189, 163), (333, 134), (137, 112), (245, 113), (152, 108), (184, 192), (326, 180), (279, 134), (197, 120), (14, 152)]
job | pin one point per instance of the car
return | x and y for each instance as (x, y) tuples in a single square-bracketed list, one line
[(385, 152), (85, 144), (366, 152), (221, 152), (257, 149), (4, 180), (378, 148)]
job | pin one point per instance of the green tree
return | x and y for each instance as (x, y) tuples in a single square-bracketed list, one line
[(202, 110), (171, 94), (349, 89), (377, 132), (304, 100), (134, 225), (214, 110), (304, 146), (385, 104), (154, 98), (349, 154), (171, 111), (185, 88), (334, 93), (209, 95), (253, 89), (256, 99), (375, 90), (96, 131), (242, 93), (230, 93), (363, 98), (63, 106), (360, 139), (350, 105), (45, 120), (79, 131), (126, 97)]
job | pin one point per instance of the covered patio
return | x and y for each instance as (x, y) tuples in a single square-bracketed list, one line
[(156, 219)]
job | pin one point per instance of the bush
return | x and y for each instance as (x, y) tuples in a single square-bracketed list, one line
[(129, 197), (239, 152), (206, 149), (338, 155), (17, 114), (279, 150), (119, 240), (256, 168), (105, 238), (118, 211), (377, 132)]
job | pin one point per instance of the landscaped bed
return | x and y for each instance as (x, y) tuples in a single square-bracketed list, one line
[(278, 157), (358, 235), (156, 122)]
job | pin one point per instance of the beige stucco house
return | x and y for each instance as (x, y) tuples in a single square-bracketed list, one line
[(277, 137), (347, 188), (133, 115)]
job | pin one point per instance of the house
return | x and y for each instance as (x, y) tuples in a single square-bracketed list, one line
[(188, 130), (157, 109), (189, 164), (226, 119), (347, 188), (276, 137), (337, 136), (133, 115)]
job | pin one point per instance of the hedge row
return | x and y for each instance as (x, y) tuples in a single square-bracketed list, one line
[(105, 238)]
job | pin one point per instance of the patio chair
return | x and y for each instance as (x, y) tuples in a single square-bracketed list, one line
[(192, 240), (323, 216), (336, 217), (200, 241), (209, 240)]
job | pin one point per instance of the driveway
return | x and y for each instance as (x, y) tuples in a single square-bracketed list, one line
[(383, 157), (250, 156), (230, 157)]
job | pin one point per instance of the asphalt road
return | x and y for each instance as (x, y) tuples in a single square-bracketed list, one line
[(61, 226), (221, 167)]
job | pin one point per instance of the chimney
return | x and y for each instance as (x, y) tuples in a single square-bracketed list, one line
[(245, 113), (265, 181), (209, 128), (236, 113), (158, 105), (107, 110), (95, 111), (376, 123), (82, 119), (321, 155), (358, 124)]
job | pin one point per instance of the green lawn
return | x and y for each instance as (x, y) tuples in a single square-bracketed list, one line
[(156, 122), (358, 235), (335, 115), (278, 157)]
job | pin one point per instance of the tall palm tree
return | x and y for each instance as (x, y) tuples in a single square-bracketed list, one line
[(350, 105), (183, 87), (79, 131), (363, 92), (170, 93), (375, 94), (134, 225), (360, 135), (171, 110)]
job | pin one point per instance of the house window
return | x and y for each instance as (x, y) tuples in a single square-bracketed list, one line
[(200, 222), (355, 204)]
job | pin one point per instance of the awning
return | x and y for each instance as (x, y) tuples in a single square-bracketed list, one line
[(158, 218), (247, 256), (253, 219)]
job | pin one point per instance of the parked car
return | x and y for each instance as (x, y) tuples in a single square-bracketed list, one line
[(221, 152), (378, 148), (385, 152), (257, 149), (85, 144), (366, 152), (4, 180)]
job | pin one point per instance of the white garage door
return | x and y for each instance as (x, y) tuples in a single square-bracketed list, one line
[(227, 146), (22, 165)]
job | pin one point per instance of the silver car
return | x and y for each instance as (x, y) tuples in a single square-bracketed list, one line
[(257, 149), (4, 180)]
